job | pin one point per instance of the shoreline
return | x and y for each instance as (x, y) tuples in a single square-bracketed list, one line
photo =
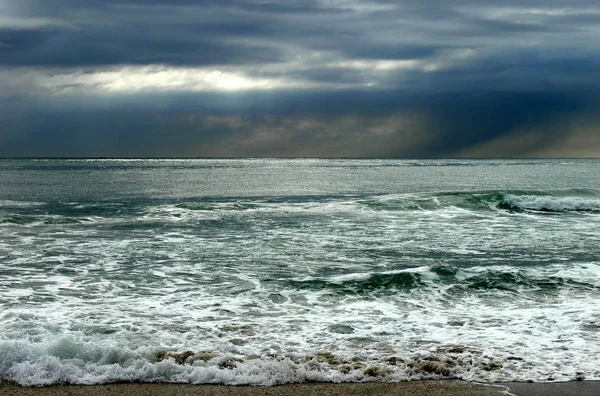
[(407, 388)]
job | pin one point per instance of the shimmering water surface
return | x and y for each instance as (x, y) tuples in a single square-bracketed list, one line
[(275, 271)]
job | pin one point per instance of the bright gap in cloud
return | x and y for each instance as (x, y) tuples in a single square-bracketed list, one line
[(356, 6), (523, 14), (294, 74), (160, 78)]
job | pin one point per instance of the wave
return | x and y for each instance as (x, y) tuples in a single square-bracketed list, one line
[(69, 361), (29, 220), (574, 200), (545, 203), (360, 283), (207, 206), (522, 281), (585, 201), (15, 213), (454, 280)]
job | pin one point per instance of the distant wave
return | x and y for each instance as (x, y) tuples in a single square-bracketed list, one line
[(574, 200), (445, 203), (546, 203)]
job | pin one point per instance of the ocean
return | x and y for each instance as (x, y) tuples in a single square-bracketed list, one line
[(274, 271)]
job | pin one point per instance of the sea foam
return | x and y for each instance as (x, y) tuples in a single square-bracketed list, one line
[(550, 203)]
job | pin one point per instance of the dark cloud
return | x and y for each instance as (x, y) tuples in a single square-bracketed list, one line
[(55, 48), (384, 124), (298, 78), (234, 32)]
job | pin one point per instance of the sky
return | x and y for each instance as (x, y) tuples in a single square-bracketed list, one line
[(292, 78)]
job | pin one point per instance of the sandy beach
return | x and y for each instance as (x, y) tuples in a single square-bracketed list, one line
[(411, 388), (432, 388)]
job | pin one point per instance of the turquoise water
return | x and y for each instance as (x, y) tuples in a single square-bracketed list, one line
[(268, 271)]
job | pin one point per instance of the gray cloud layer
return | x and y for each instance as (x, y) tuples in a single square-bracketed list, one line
[(299, 78)]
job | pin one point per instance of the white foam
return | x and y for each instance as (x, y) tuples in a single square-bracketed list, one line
[(13, 203), (540, 202), (67, 360)]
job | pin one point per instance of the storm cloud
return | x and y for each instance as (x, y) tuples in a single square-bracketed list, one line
[(299, 78)]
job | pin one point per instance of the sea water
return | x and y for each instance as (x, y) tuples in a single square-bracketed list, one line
[(273, 271)]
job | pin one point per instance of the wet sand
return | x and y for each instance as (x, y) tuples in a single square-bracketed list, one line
[(412, 388), (575, 388)]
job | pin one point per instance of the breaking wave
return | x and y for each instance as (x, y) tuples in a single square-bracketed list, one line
[(546, 203), (450, 278), (579, 200), (68, 361), (471, 203)]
